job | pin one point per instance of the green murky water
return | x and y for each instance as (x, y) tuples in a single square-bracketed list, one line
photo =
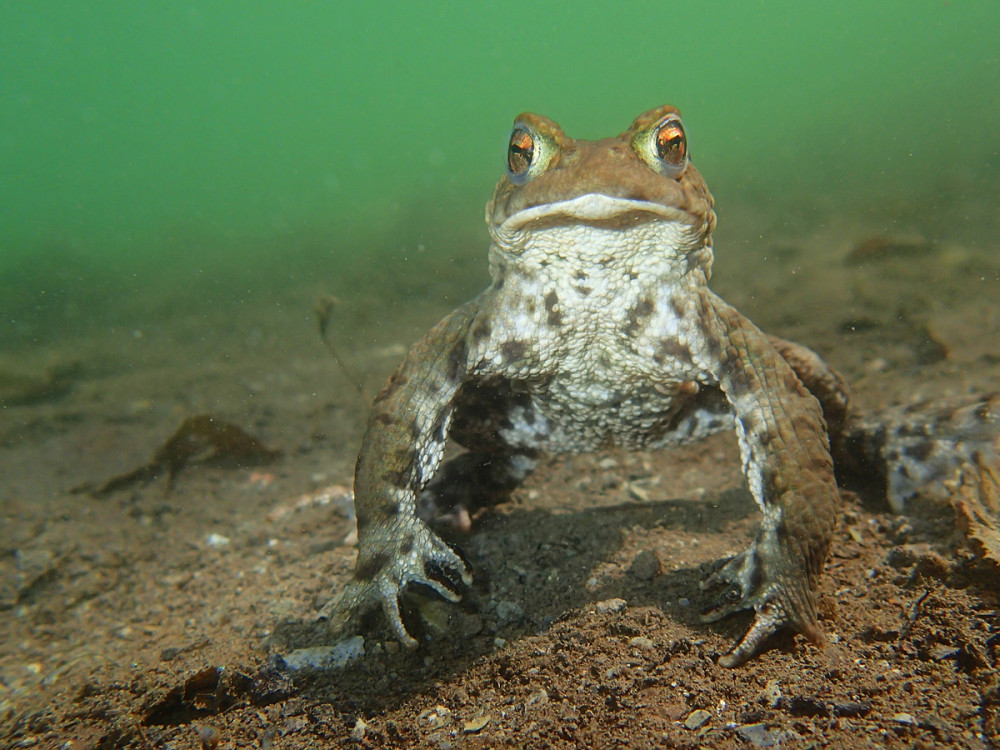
[(161, 145)]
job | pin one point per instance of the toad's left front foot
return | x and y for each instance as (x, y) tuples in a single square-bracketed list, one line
[(772, 584)]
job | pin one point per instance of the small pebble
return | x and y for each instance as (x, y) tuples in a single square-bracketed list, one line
[(538, 698), (326, 657), (646, 644), (217, 540), (697, 719), (610, 605), (434, 718), (759, 735), (637, 493), (944, 652), (644, 565), (209, 736), (509, 612), (359, 729), (771, 693), (476, 725)]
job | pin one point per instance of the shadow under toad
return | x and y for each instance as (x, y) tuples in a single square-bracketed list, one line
[(533, 568)]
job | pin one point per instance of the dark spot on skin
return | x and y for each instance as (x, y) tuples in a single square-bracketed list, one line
[(632, 275), (396, 382), (921, 451), (368, 569), (384, 417), (406, 546), (530, 307), (607, 260), (713, 345), (378, 515), (498, 282), (482, 329), (677, 306), (584, 290), (642, 310), (512, 351), (398, 476), (398, 468), (672, 350), (551, 300), (457, 360), (581, 276)]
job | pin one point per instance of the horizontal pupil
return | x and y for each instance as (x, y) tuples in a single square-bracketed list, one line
[(670, 144), (519, 157)]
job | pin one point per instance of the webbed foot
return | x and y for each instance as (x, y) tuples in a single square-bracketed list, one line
[(419, 558)]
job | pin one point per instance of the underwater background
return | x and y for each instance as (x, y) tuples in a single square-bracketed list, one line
[(156, 155), (223, 223)]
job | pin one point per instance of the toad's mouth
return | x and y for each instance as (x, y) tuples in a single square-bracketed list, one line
[(591, 208)]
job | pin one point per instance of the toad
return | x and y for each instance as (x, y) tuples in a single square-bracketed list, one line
[(598, 329)]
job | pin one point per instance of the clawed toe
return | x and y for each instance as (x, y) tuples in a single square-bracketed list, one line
[(768, 621), (445, 581)]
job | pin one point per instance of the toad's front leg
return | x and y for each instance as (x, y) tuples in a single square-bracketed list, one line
[(400, 453), (786, 459)]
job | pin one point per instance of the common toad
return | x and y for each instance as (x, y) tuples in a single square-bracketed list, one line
[(598, 329)]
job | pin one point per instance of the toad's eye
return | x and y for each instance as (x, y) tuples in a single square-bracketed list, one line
[(520, 154), (670, 142), (528, 153), (664, 146)]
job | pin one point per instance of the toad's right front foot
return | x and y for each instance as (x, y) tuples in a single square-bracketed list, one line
[(402, 556)]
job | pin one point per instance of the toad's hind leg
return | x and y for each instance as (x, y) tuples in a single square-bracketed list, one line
[(501, 433)]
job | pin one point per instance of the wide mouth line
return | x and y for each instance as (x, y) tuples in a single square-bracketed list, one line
[(591, 207)]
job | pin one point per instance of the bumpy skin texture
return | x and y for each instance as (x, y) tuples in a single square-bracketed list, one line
[(598, 329)]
